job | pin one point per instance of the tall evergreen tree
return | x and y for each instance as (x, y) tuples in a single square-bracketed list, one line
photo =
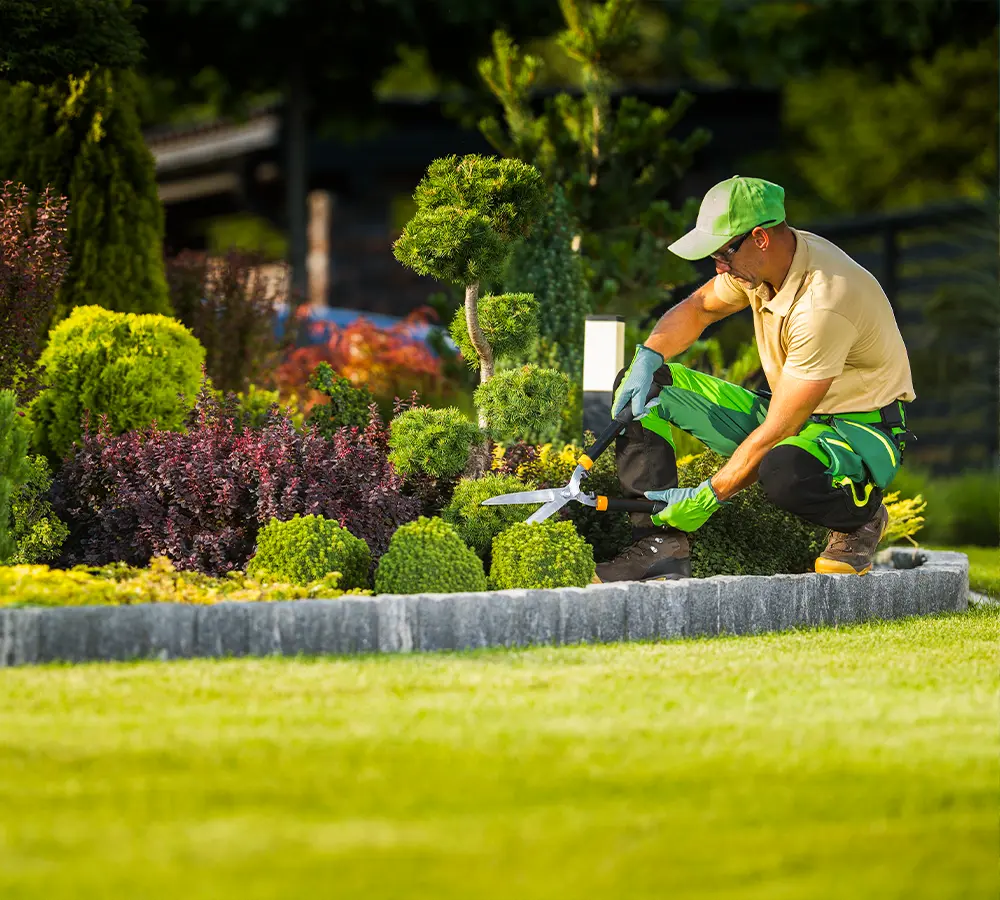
[(81, 136), (615, 157)]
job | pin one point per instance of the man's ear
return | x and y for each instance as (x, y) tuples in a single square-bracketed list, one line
[(761, 237)]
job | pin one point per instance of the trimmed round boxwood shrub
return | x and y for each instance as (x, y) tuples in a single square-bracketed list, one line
[(428, 557), (134, 369), (307, 548), (544, 555), (431, 441), (749, 535), (478, 524)]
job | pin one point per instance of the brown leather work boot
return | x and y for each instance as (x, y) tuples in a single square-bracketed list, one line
[(851, 553), (657, 557)]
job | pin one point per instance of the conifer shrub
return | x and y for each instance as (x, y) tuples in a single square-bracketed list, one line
[(347, 405), (548, 554), (749, 535), (82, 136), (38, 532), (516, 400), (428, 557), (13, 466), (431, 441), (132, 369), (304, 549), (477, 524), (509, 323)]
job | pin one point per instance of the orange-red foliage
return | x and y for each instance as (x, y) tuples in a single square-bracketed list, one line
[(389, 360)]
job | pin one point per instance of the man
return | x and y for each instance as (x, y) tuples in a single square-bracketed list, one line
[(829, 436)]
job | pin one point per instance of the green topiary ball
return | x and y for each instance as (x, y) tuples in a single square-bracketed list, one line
[(307, 548), (431, 441), (135, 369), (428, 557), (749, 535), (521, 400), (547, 555), (509, 323), (478, 524)]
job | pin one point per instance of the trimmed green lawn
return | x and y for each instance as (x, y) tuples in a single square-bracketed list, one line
[(984, 569), (860, 763)]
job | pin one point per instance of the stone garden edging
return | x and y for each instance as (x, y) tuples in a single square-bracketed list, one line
[(913, 582)]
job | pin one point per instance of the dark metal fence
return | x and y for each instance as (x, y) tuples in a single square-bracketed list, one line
[(939, 269)]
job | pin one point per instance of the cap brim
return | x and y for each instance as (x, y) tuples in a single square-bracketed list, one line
[(697, 244)]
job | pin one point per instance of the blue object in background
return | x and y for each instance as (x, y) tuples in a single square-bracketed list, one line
[(330, 317)]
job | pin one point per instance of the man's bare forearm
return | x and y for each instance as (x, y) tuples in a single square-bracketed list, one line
[(679, 327)]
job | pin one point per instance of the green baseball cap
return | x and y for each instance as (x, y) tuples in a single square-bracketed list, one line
[(731, 208)]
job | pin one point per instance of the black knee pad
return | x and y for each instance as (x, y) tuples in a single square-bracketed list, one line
[(782, 473)]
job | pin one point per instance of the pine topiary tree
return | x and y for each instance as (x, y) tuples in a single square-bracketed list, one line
[(616, 160), (82, 137), (469, 213)]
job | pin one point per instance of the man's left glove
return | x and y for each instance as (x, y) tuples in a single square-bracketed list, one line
[(687, 508)]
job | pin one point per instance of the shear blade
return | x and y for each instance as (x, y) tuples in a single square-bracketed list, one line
[(523, 497), (540, 515)]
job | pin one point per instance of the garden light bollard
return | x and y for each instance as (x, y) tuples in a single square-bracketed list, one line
[(603, 359)]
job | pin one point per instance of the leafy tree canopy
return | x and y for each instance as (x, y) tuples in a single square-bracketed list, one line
[(42, 41)]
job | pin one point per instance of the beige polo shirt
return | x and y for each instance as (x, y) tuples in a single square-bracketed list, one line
[(829, 319)]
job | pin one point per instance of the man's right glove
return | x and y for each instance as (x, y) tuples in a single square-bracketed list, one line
[(638, 382)]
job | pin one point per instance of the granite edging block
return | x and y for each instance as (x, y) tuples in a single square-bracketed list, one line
[(922, 582), (701, 606)]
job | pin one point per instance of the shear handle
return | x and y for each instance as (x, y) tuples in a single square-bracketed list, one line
[(606, 437), (639, 505)]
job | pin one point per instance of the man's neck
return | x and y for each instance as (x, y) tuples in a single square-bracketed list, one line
[(786, 241)]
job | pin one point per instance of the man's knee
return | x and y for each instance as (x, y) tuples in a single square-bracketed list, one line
[(782, 473)]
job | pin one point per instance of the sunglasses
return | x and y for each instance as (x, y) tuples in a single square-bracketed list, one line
[(727, 253)]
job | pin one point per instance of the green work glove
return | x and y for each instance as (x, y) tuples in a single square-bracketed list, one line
[(687, 508), (637, 383)]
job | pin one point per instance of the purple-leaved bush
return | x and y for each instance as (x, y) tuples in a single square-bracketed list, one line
[(33, 262), (201, 497)]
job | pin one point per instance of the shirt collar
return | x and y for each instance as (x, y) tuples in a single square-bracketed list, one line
[(782, 301)]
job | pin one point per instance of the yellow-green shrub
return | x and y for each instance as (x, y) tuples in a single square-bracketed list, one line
[(122, 585), (544, 555), (305, 549), (135, 369), (428, 556), (477, 524)]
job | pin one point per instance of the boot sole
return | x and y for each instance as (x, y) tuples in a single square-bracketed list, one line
[(835, 567), (597, 580)]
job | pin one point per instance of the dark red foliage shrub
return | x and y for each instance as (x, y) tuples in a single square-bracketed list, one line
[(33, 262), (200, 498), (228, 302)]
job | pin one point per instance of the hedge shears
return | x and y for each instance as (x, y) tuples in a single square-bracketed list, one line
[(554, 499)]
